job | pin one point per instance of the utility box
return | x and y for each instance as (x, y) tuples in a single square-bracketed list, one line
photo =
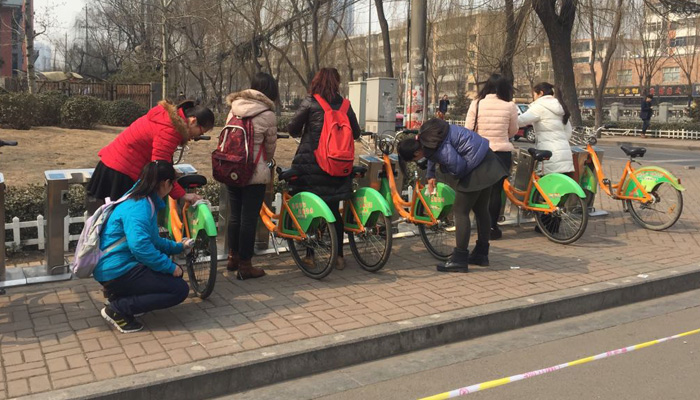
[(380, 112), (357, 97)]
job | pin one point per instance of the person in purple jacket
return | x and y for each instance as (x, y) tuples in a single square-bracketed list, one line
[(466, 156)]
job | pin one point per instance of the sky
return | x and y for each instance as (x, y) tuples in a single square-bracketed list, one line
[(65, 12)]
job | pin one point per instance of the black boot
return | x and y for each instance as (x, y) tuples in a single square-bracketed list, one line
[(480, 254), (458, 262)]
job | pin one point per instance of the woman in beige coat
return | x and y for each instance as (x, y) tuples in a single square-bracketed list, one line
[(494, 116), (257, 102)]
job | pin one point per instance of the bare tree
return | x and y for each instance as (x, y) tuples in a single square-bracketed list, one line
[(515, 20), (649, 48), (602, 17), (385, 38), (558, 17), (685, 52)]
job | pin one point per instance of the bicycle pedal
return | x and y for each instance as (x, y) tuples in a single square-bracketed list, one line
[(274, 243)]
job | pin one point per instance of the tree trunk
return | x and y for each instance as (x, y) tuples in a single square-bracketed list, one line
[(29, 45), (514, 24), (558, 28), (388, 65)]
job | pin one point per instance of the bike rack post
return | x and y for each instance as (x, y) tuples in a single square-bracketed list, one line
[(2, 231)]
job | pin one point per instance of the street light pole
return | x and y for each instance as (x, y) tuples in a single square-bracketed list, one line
[(369, 42), (164, 62)]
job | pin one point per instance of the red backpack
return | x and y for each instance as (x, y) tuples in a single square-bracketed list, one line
[(336, 147), (233, 162)]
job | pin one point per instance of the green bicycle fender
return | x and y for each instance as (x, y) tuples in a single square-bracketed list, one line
[(367, 201), (556, 186), (385, 191), (589, 181), (200, 217), (440, 204), (649, 177), (306, 208)]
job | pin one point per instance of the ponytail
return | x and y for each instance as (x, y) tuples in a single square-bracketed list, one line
[(547, 89), (205, 117), (151, 176)]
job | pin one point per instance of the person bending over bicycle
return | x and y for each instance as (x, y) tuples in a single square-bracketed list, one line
[(137, 272), (465, 155)]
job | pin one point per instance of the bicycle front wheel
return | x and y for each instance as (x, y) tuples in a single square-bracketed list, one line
[(661, 212), (316, 254), (567, 224), (372, 247), (201, 264), (439, 239)]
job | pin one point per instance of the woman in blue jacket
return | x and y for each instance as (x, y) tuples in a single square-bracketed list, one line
[(138, 274), (465, 155)]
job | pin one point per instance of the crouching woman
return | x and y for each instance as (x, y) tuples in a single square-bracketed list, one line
[(466, 156), (137, 272)]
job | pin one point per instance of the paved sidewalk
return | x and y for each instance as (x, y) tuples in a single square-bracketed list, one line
[(52, 336)]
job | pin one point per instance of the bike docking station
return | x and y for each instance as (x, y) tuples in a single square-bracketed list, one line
[(56, 266)]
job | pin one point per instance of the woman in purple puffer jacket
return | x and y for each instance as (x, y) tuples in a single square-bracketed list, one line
[(465, 155)]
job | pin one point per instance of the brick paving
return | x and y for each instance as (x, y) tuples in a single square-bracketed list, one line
[(53, 337)]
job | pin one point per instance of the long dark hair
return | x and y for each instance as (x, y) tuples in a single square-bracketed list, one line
[(205, 117), (265, 84), (406, 149), (548, 89), (326, 83), (499, 85), (151, 176)]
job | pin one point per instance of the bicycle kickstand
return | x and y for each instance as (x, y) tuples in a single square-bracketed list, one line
[(274, 243)]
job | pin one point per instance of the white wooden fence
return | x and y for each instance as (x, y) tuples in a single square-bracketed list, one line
[(18, 242)]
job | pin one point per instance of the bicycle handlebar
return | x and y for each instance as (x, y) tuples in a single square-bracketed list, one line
[(282, 135), (8, 143)]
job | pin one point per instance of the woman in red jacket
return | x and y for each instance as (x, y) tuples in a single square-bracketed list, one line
[(155, 136)]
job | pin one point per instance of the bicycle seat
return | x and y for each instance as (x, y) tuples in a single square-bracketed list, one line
[(634, 151), (539, 155), (359, 170), (287, 174), (192, 181)]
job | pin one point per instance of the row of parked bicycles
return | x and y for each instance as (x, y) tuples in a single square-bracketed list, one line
[(559, 204)]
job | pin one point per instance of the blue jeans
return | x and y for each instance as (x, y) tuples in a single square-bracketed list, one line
[(142, 290), (645, 126)]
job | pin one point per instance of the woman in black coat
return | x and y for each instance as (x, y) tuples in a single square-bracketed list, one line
[(307, 124)]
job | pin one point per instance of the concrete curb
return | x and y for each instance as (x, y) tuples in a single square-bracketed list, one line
[(649, 143), (248, 370)]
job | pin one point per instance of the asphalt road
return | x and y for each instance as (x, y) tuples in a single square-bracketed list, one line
[(663, 371), (652, 156)]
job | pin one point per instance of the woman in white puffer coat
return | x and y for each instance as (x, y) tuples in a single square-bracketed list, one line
[(549, 117)]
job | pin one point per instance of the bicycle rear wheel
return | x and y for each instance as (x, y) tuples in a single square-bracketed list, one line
[(439, 239), (201, 264), (372, 247), (660, 213), (567, 224), (315, 255)]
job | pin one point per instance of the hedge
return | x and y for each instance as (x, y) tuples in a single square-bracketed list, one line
[(17, 110), (121, 112)]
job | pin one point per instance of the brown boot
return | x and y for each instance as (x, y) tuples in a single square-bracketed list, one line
[(233, 261), (340, 263), (246, 270)]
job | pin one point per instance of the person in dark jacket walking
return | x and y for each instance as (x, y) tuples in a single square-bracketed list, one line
[(646, 113), (465, 155), (307, 123)]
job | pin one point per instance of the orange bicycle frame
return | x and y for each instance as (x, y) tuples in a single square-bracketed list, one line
[(400, 205), (511, 192), (617, 188), (267, 217)]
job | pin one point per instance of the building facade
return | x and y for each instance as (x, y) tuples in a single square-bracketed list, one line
[(12, 48)]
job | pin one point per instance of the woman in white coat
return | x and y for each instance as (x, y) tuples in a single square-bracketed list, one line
[(550, 118)]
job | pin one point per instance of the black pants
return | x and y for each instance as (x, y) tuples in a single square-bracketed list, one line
[(142, 289), (245, 203), (645, 126), (339, 226), (506, 157), (479, 203)]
